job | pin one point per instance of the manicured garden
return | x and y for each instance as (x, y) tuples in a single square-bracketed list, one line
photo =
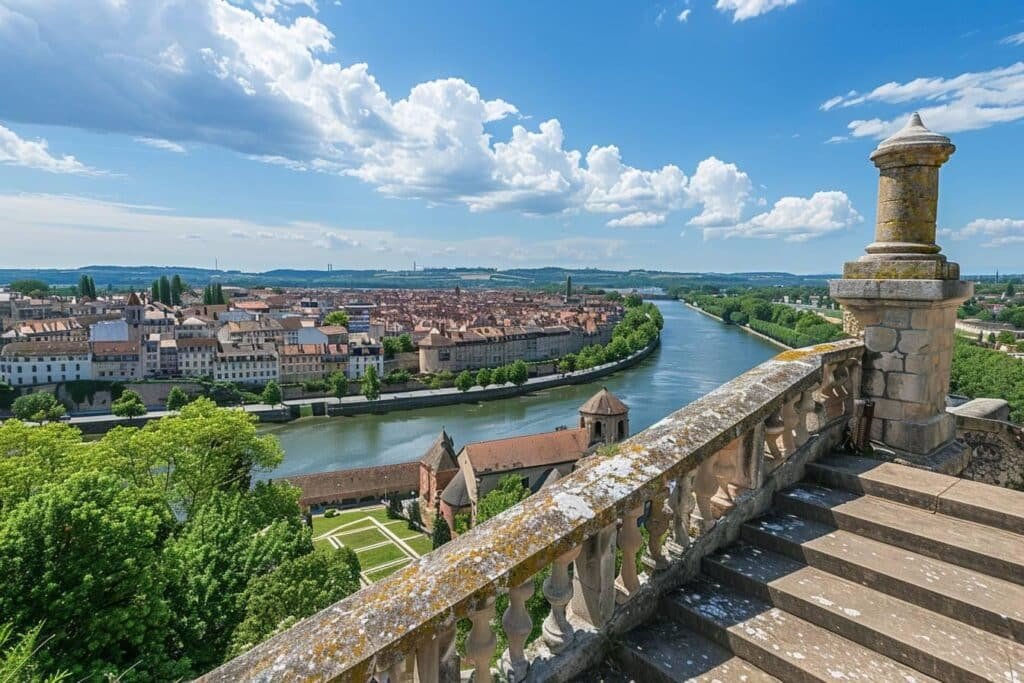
[(383, 545)]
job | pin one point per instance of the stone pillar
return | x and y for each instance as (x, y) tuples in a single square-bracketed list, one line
[(902, 296)]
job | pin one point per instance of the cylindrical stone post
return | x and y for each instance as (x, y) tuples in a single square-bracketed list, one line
[(902, 296)]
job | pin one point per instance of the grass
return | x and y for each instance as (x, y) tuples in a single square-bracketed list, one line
[(361, 538), (379, 574), (375, 556), (323, 524), (421, 544)]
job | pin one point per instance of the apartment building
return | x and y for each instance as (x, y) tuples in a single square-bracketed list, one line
[(117, 361), (25, 364), (246, 363), (364, 352), (196, 356)]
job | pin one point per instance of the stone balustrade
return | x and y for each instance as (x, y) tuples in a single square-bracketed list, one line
[(678, 480)]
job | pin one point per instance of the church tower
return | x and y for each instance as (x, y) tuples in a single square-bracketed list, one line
[(606, 417)]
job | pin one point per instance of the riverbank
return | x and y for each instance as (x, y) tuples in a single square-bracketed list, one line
[(408, 400), (746, 329)]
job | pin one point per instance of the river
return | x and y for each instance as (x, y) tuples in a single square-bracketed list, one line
[(697, 354)]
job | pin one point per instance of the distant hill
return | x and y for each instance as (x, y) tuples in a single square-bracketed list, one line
[(142, 276)]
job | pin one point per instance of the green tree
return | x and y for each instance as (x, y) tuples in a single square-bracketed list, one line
[(129, 405), (415, 517), (165, 290), (441, 532), (483, 377), (271, 393), (500, 375), (37, 407), (391, 346), (371, 384), (29, 287), (63, 557), (518, 373), (462, 521), (464, 382), (230, 540), (336, 318), (296, 589), (83, 286), (176, 398), (394, 508), (18, 657), (177, 288), (33, 456), (1006, 337), (568, 363), (632, 300), (405, 343), (508, 492), (190, 456), (154, 290), (338, 382), (1011, 290)]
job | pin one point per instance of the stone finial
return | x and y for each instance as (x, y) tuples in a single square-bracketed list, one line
[(908, 194)]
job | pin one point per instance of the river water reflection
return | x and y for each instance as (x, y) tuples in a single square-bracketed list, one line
[(697, 354)]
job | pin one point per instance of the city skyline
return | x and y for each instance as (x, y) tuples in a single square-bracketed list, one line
[(287, 133)]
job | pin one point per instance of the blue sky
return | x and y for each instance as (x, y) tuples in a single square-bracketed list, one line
[(723, 135)]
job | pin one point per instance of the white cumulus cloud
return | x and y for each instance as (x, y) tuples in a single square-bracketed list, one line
[(795, 219), (16, 151), (261, 79), (683, 16), (969, 101), (1015, 39), (992, 232), (639, 219), (748, 9)]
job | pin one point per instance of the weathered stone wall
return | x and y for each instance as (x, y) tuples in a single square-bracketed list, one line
[(997, 445)]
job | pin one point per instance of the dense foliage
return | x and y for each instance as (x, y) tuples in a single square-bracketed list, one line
[(129, 404), (148, 554), (37, 407), (981, 372), (778, 321), (639, 327), (371, 384), (336, 318)]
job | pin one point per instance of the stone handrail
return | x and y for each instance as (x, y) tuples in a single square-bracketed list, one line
[(678, 477)]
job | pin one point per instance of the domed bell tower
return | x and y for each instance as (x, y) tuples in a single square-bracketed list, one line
[(606, 417)]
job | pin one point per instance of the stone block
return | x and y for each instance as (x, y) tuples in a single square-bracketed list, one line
[(898, 318), (921, 436), (886, 362), (904, 386), (949, 291), (888, 409), (925, 318), (874, 383), (917, 341), (877, 338), (921, 364)]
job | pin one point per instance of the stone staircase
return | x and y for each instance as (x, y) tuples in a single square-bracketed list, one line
[(866, 571)]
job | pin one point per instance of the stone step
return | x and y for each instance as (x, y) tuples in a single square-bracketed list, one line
[(931, 643), (978, 599), (784, 645), (666, 652), (967, 544), (968, 500)]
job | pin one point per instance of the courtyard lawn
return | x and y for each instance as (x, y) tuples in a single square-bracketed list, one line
[(379, 574), (323, 524), (382, 545), (420, 544), (360, 537), (368, 559)]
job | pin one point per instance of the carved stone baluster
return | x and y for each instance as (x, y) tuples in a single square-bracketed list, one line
[(812, 407), (851, 386), (558, 633), (705, 486), (657, 525), (752, 458), (517, 624), (630, 540), (449, 665), (593, 579), (390, 673), (427, 662), (804, 407), (681, 501), (789, 421), (773, 428), (481, 643)]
